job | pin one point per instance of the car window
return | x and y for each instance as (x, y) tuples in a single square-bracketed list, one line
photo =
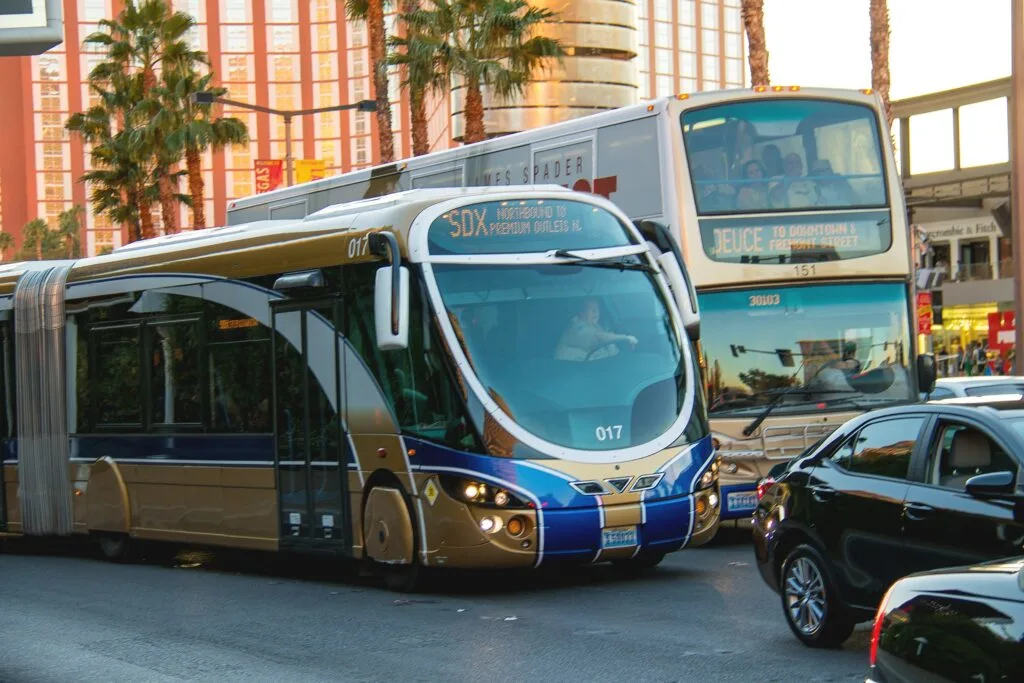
[(881, 449), (994, 389), (963, 451)]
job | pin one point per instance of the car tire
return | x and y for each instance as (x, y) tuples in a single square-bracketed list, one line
[(810, 601)]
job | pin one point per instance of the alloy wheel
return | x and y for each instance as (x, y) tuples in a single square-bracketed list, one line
[(806, 601)]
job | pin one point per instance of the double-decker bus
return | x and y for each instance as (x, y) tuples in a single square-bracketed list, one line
[(787, 208), (495, 377)]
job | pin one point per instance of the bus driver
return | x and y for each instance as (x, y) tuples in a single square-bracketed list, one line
[(585, 339)]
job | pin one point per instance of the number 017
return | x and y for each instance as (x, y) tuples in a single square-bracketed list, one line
[(608, 433)]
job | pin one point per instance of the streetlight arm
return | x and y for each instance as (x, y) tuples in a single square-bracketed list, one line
[(208, 98)]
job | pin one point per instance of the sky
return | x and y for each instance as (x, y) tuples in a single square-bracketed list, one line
[(933, 45)]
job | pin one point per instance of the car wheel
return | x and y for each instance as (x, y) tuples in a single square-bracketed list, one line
[(810, 600)]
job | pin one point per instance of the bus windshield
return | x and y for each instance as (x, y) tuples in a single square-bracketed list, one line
[(579, 354), (806, 348), (784, 155)]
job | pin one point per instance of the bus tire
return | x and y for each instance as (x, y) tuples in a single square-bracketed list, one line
[(401, 578), (116, 547)]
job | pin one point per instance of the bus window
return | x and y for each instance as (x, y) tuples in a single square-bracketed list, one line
[(415, 380), (174, 358), (116, 378), (238, 371), (784, 155)]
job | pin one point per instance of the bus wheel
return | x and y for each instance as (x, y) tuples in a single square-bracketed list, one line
[(116, 547), (640, 563), (390, 538)]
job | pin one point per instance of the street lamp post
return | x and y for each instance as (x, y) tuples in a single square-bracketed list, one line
[(207, 97)]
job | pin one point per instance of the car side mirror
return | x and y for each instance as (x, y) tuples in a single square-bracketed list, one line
[(991, 485), (926, 373)]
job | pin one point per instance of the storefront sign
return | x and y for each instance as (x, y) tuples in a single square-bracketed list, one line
[(1002, 331), (924, 312), (268, 174), (960, 229)]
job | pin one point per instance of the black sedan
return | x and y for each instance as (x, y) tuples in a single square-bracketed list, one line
[(892, 492), (949, 625)]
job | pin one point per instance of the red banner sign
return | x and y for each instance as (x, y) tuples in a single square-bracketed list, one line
[(1002, 331), (269, 173), (924, 312)]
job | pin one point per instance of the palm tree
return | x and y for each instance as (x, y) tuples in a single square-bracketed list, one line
[(6, 242), (372, 11), (68, 229), (198, 131), (122, 173), (757, 49), (485, 43), (418, 54), (35, 238), (880, 54), (146, 36)]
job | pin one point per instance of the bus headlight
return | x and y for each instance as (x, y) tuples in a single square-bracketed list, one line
[(478, 493), (710, 476)]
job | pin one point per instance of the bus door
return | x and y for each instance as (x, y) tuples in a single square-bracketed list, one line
[(309, 458)]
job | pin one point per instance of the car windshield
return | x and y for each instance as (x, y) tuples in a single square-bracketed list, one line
[(806, 348), (784, 155), (579, 354)]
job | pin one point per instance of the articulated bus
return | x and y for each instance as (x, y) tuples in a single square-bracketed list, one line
[(785, 205), (465, 378)]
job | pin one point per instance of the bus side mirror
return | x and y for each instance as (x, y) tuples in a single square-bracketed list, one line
[(391, 312), (926, 373), (662, 243), (683, 293), (390, 295)]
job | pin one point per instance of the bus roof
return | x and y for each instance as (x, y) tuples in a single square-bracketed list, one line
[(258, 247), (563, 128)]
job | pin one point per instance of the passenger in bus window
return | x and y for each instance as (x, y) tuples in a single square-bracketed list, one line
[(771, 157), (710, 195), (793, 192), (753, 194), (585, 339), (833, 190)]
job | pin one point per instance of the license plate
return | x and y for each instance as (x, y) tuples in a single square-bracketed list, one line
[(620, 537), (741, 500)]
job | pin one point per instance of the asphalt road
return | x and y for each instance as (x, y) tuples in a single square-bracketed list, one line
[(703, 615)]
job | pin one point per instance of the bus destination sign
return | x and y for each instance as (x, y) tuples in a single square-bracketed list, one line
[(534, 225), (788, 241)]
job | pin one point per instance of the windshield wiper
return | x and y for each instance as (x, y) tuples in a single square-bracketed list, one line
[(615, 262), (777, 401)]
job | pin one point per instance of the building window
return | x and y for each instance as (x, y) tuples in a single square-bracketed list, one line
[(284, 67), (734, 71), (709, 15), (733, 20), (325, 37), (326, 66), (237, 38), (733, 45), (687, 12), (235, 11), (710, 41), (284, 11)]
